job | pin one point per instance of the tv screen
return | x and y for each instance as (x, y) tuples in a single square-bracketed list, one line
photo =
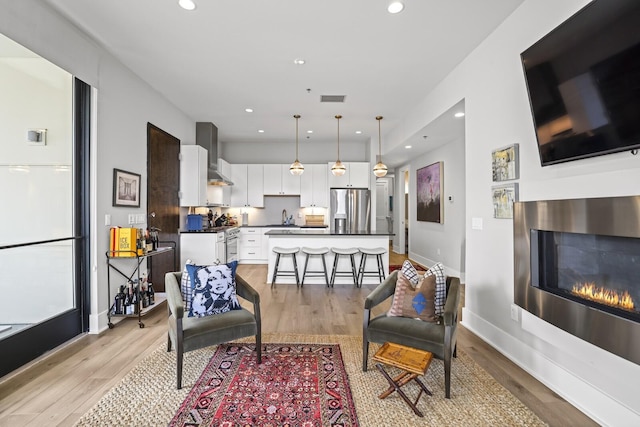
[(583, 80)]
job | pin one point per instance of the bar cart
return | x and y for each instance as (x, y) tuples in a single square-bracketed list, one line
[(132, 257)]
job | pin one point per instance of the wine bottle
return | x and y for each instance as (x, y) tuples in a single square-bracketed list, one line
[(127, 303), (119, 303), (151, 294)]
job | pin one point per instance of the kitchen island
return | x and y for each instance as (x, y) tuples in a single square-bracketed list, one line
[(322, 237)]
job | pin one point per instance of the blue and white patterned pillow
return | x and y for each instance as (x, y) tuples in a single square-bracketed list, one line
[(213, 289), (185, 287), (410, 273), (441, 286)]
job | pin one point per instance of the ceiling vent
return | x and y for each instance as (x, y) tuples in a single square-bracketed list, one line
[(332, 98)]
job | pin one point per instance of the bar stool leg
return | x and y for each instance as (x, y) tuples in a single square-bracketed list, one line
[(380, 267), (304, 272), (363, 263), (333, 270), (354, 272), (324, 265), (295, 269), (275, 269)]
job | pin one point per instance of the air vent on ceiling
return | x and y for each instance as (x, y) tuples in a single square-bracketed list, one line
[(332, 98)]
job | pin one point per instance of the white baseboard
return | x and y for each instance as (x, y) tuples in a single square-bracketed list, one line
[(593, 402)]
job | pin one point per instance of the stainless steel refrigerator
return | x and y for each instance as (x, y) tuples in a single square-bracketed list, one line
[(350, 210)]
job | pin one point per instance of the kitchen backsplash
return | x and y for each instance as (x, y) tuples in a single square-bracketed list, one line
[(272, 211)]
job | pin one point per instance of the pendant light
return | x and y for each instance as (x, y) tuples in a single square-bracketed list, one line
[(296, 167), (380, 169), (338, 168)]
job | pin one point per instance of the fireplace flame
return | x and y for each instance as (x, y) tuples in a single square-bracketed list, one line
[(604, 296)]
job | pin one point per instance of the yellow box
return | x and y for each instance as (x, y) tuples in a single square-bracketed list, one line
[(126, 242)]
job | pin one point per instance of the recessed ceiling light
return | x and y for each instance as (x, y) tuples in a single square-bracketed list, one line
[(260, 130), (309, 131), (460, 114), (358, 132), (299, 61), (395, 7), (187, 4), (407, 146), (249, 110)]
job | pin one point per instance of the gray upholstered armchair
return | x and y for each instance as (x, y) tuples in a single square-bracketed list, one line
[(439, 339), (192, 333)]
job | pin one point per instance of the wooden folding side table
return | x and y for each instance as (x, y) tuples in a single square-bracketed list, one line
[(413, 363)]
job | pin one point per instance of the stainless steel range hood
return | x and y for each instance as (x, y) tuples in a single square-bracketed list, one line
[(207, 137)]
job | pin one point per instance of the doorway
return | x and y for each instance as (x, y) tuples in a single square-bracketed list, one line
[(163, 204)]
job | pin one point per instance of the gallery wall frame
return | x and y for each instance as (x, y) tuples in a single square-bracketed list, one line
[(505, 163), (429, 182), (503, 197), (126, 188)]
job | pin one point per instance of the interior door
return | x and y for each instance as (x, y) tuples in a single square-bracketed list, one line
[(382, 206), (163, 185)]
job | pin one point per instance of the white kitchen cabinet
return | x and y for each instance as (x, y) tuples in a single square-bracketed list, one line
[(358, 175), (247, 189), (279, 181), (314, 188), (250, 247), (193, 175), (201, 248)]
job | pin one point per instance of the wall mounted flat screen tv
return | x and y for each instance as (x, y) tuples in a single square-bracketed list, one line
[(583, 80)]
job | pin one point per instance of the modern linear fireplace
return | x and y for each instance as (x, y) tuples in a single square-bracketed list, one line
[(577, 266)]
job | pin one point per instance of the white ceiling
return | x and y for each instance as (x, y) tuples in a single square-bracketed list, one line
[(226, 56)]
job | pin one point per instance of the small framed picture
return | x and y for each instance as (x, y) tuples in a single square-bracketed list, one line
[(126, 188), (503, 197), (505, 164)]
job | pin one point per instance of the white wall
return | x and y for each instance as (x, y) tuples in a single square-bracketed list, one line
[(497, 114), (125, 105), (431, 242)]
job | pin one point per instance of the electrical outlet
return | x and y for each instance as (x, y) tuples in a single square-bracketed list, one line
[(132, 219), (107, 219), (514, 312), (438, 251), (140, 219)]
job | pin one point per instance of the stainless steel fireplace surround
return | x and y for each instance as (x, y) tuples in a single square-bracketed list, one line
[(614, 216)]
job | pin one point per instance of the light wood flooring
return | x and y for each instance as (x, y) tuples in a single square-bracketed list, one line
[(60, 387)]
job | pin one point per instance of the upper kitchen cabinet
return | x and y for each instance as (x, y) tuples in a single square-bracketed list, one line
[(314, 188), (193, 175), (247, 189), (356, 176), (278, 181)]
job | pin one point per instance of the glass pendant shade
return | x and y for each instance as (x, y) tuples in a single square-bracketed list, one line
[(380, 169), (296, 167), (338, 168)]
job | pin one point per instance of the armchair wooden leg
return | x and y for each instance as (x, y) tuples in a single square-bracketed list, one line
[(447, 375), (168, 342), (259, 348), (365, 354)]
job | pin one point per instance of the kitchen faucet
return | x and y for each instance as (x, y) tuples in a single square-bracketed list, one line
[(284, 216)]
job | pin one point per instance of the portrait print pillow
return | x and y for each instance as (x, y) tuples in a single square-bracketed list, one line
[(213, 289)]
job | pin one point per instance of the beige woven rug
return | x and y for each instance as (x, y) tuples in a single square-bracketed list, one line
[(147, 395)]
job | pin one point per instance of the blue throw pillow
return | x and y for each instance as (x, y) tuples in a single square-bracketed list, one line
[(213, 289)]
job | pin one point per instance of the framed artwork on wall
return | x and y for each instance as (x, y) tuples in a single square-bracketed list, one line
[(503, 197), (126, 188), (429, 187), (505, 163)]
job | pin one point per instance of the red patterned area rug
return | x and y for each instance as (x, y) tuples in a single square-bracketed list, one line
[(295, 385)]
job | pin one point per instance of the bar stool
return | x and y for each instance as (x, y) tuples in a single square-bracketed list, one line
[(378, 252), (353, 273), (276, 268), (309, 252)]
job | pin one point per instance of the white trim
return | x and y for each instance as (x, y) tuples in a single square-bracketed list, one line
[(587, 398)]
